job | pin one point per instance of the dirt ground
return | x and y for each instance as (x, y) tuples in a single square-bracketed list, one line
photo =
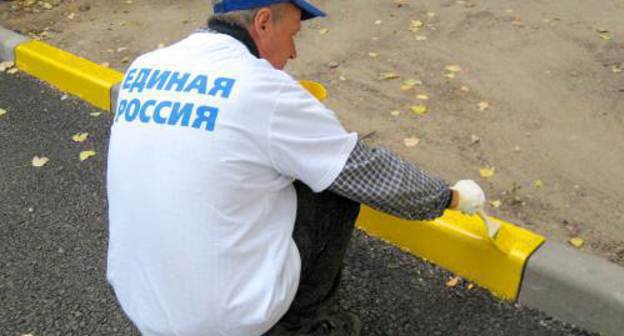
[(538, 93)]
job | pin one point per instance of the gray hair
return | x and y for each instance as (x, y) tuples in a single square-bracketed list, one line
[(244, 18)]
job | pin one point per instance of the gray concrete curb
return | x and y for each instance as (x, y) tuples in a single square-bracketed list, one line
[(575, 287), (8, 41)]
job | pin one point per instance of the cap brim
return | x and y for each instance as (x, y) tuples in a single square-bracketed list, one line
[(308, 11)]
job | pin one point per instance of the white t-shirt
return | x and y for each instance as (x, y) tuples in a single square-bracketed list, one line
[(206, 142)]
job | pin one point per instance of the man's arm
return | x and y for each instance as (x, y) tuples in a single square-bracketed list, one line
[(382, 180)]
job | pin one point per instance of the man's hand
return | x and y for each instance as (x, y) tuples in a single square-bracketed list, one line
[(468, 197)]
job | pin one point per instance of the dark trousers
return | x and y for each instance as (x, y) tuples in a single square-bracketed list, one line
[(323, 228)]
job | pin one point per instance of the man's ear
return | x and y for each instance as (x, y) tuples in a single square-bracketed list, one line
[(262, 21)]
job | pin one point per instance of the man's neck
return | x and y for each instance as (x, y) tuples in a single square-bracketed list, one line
[(237, 32)]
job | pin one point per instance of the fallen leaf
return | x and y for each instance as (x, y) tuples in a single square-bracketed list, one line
[(449, 75), (342, 78), (80, 137), (388, 75), (120, 49), (86, 154), (39, 161), (419, 109), (71, 16), (378, 22), (323, 31), (483, 106), (508, 11), (577, 242), (160, 46), (605, 37), (470, 286), (453, 282), (422, 97), (465, 88), (601, 31), (395, 113), (415, 26), (411, 142), (421, 38), (617, 69), (487, 172), (475, 139), (409, 84), (95, 114), (3, 112), (517, 149), (431, 14), (453, 68), (12, 71), (372, 54), (105, 64), (496, 204), (538, 184), (6, 65)]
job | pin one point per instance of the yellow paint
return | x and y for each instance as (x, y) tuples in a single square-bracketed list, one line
[(70, 73), (460, 244), (315, 88)]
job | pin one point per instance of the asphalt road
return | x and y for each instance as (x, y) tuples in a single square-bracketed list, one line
[(53, 239)]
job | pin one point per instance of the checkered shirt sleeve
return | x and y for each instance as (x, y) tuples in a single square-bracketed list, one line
[(382, 180)]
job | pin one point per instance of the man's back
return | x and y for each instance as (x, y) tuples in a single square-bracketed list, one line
[(201, 203)]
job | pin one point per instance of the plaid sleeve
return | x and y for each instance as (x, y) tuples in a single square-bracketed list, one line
[(382, 180)]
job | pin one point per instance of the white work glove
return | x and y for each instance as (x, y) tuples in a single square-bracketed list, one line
[(471, 196)]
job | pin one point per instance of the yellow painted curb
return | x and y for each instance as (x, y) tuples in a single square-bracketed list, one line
[(460, 244), (70, 73)]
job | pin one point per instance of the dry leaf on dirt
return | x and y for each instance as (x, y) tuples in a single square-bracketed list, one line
[(409, 84), (449, 75), (39, 161), (474, 139), (86, 154), (605, 37), (617, 69), (431, 14), (411, 142), (80, 137), (372, 54), (422, 97), (538, 184), (577, 242), (323, 31), (419, 109), (453, 282), (487, 172), (395, 113), (415, 26), (421, 38), (483, 106), (496, 203), (388, 75), (378, 22), (465, 88), (453, 68)]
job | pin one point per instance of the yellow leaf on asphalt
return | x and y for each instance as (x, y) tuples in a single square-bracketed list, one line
[(422, 97), (577, 242), (411, 142), (388, 75), (95, 114), (453, 68), (487, 172), (453, 282), (3, 112), (483, 106), (6, 65), (496, 204), (419, 109), (80, 137), (39, 161), (86, 154), (538, 184), (323, 31)]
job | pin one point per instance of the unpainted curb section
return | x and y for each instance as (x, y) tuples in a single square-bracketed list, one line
[(575, 287), (580, 289)]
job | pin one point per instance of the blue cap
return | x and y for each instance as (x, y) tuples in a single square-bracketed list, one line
[(308, 11)]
